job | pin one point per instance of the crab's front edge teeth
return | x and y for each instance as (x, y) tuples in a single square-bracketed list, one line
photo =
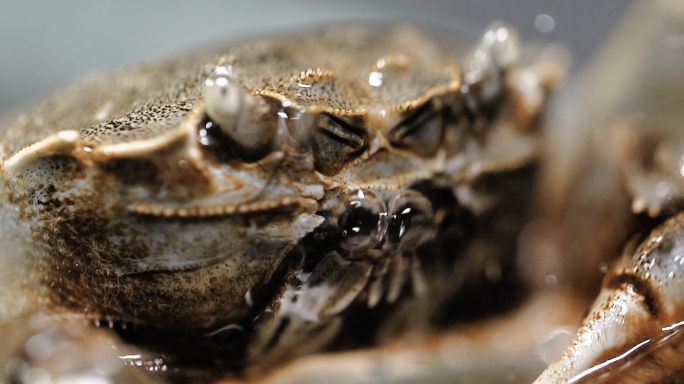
[(221, 210)]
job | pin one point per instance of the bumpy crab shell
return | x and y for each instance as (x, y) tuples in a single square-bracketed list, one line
[(173, 194)]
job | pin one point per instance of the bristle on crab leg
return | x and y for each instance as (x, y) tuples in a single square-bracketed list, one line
[(637, 317)]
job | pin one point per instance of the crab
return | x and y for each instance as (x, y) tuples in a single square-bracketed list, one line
[(350, 205)]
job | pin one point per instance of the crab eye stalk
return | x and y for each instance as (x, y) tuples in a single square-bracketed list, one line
[(239, 114), (484, 80)]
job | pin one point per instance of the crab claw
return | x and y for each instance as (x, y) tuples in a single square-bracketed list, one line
[(637, 317)]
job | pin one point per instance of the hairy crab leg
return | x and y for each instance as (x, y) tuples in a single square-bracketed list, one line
[(633, 330)]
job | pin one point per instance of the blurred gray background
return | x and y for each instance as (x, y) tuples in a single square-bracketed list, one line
[(45, 45)]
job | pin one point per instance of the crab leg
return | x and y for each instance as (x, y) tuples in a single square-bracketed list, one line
[(637, 317)]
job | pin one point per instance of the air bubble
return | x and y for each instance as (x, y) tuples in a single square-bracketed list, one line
[(551, 279), (544, 23), (375, 79)]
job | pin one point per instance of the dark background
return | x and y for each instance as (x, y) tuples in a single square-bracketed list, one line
[(45, 45)]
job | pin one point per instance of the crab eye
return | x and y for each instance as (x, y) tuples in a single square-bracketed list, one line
[(363, 221), (411, 219), (334, 143), (422, 132), (484, 80), (239, 115)]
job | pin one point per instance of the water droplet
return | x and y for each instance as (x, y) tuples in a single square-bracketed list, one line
[(544, 23), (363, 222), (208, 136), (502, 34), (375, 79), (551, 279)]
